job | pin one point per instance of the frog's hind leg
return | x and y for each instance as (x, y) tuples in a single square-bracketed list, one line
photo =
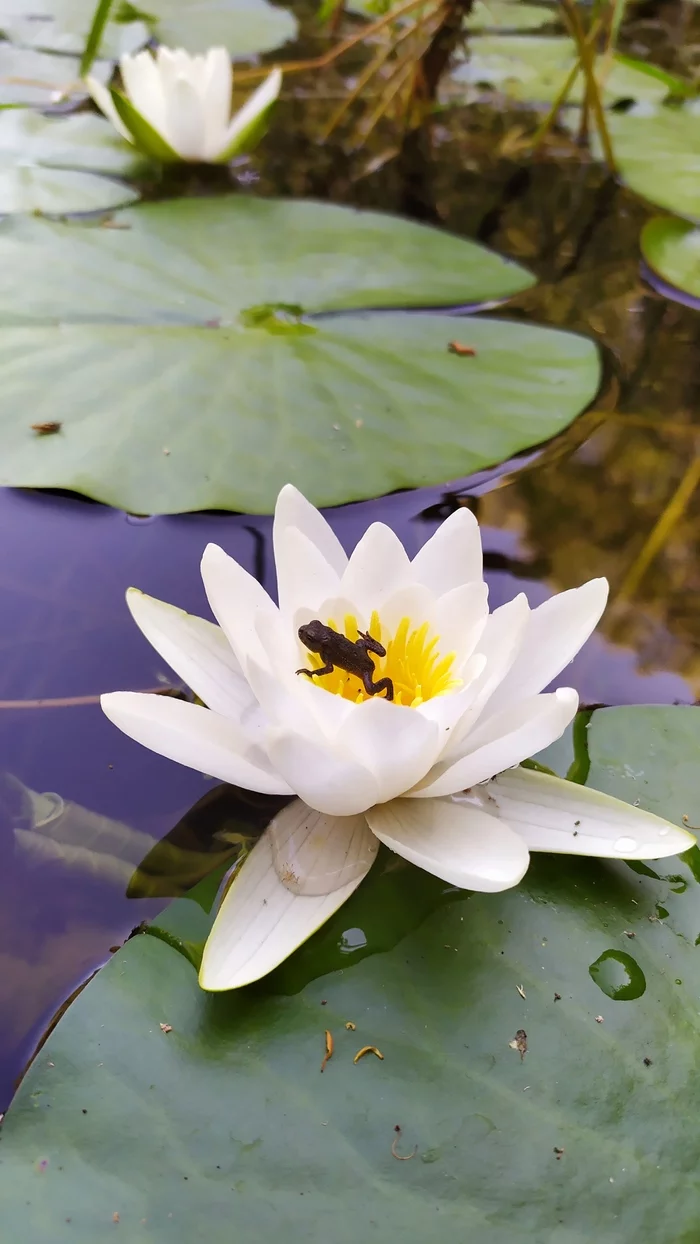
[(382, 684)]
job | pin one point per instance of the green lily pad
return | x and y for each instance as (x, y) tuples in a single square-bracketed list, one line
[(31, 77), (539, 1057), (657, 151), (534, 68), (246, 27), (42, 163), (485, 14), (179, 355), (671, 247)]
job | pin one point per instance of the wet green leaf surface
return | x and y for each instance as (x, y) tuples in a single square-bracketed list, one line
[(672, 248), (245, 27), (44, 163), (658, 155), (226, 1119), (534, 68), (185, 381)]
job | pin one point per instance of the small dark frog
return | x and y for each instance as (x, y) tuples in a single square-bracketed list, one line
[(341, 653)]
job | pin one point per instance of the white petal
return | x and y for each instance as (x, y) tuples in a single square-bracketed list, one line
[(551, 814), (103, 99), (217, 88), (328, 782), (260, 922), (257, 103), (459, 618), (397, 744), (235, 598), (185, 124), (144, 87), (197, 650), (378, 566), (503, 741), (555, 633), (304, 577), (293, 510), (461, 844), (194, 736), (452, 555), (315, 853), (499, 646)]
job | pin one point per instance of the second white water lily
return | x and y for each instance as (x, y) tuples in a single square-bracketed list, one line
[(429, 772), (178, 107)]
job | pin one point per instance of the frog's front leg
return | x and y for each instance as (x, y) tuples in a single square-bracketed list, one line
[(325, 669), (382, 684), (371, 645)]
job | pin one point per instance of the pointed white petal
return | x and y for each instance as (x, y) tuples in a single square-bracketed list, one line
[(260, 922), (499, 646), (258, 103), (315, 853), (461, 844), (194, 736), (378, 566), (144, 87), (503, 741), (197, 650), (235, 598), (551, 814), (325, 780), (556, 631), (185, 122), (459, 618), (216, 88), (103, 99), (304, 578), (293, 510), (397, 744), (452, 555)]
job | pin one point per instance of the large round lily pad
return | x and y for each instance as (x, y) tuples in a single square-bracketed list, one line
[(44, 163), (245, 27), (539, 1056), (671, 247), (657, 150), (178, 355), (534, 68)]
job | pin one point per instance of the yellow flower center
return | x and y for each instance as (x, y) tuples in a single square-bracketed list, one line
[(412, 662)]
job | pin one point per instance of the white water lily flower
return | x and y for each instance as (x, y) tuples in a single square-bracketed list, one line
[(422, 773), (178, 107)]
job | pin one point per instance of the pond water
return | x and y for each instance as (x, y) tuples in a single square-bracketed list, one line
[(585, 505)]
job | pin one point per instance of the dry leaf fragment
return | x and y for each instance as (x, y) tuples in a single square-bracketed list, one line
[(165, 1027), (46, 429), (456, 347), (329, 1049), (521, 991), (115, 1217), (350, 1026), (368, 1049), (519, 1043)]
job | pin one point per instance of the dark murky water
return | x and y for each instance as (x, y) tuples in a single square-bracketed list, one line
[(586, 506)]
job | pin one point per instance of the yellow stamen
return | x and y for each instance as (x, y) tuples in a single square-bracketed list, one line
[(413, 661)]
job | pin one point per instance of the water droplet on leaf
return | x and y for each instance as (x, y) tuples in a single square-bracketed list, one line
[(618, 975), (625, 844)]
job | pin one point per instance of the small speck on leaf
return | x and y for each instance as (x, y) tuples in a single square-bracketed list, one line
[(521, 991), (46, 429), (629, 933), (647, 1062), (557, 997), (559, 1152), (599, 1019), (401, 1157), (165, 1027), (350, 1026), (115, 1217), (329, 1049)]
